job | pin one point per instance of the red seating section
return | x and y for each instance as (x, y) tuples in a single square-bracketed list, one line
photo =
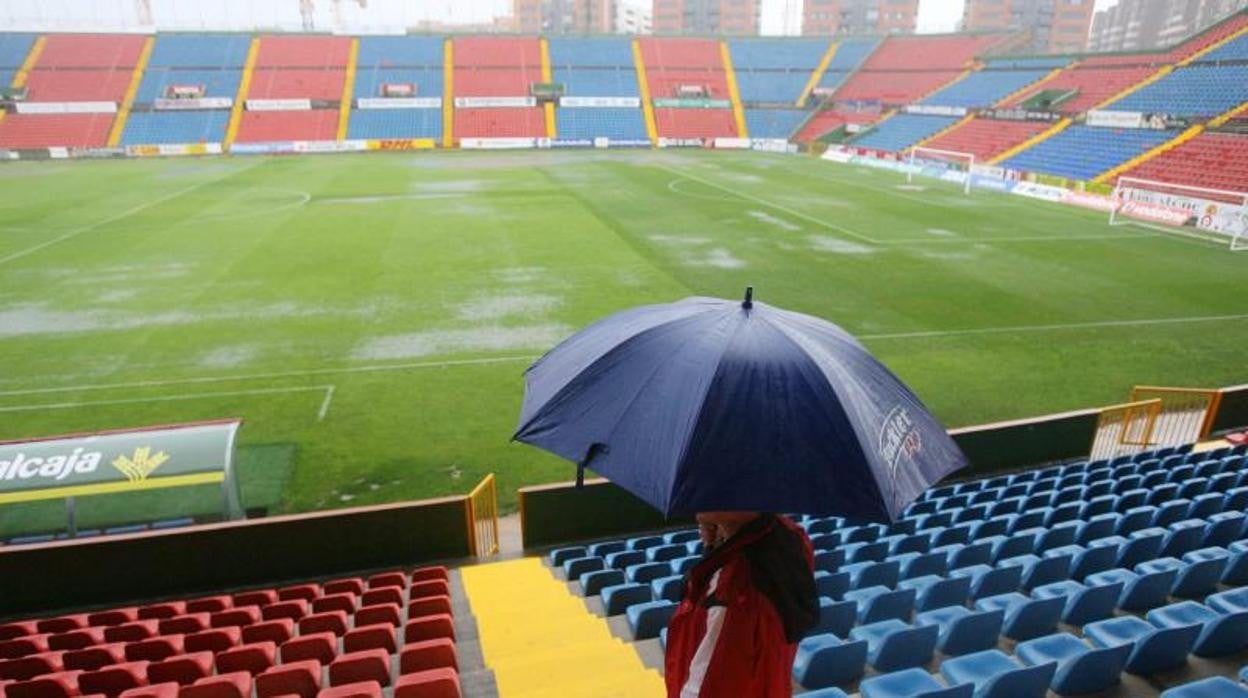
[(500, 123), (498, 52), (1210, 160), (46, 130), (830, 120), (78, 85), (297, 84), (269, 126), (91, 51), (1214, 35), (303, 52), (1095, 85), (695, 123), (309, 665), (893, 88), (672, 63), (985, 138), (904, 69)]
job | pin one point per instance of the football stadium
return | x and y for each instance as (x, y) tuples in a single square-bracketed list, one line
[(351, 362)]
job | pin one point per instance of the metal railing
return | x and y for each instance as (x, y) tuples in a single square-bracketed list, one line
[(482, 512), (1125, 428), (1155, 417)]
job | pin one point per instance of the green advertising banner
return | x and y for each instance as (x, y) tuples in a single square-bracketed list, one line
[(121, 461), (690, 103)]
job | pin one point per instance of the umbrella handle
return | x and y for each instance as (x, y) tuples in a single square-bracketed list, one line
[(594, 449)]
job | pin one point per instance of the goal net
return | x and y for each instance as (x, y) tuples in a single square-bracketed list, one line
[(1209, 214), (946, 165)]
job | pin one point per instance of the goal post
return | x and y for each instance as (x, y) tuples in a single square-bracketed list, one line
[(1215, 215), (948, 165)]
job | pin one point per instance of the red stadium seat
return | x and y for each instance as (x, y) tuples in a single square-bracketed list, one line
[(30, 666), (116, 616), (373, 597), (62, 624), (336, 602), (305, 592), (132, 631), (435, 683), (363, 689), (367, 665), (426, 574), (293, 610), (387, 579), (255, 597), (426, 655), (238, 617), (254, 658), (160, 611), (209, 604), (184, 625), (429, 628), (22, 628), (350, 585), (433, 605), (155, 649), (385, 613), (323, 647), (23, 646), (235, 685), (183, 670), (215, 640), (76, 639), (275, 631), (158, 690), (298, 678), (331, 621), (433, 587), (369, 637), (114, 680), (97, 657), (63, 684)]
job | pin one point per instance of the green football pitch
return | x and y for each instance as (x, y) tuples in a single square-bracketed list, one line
[(370, 317)]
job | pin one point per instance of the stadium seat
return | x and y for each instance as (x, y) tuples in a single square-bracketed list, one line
[(647, 619), (322, 647), (429, 628), (912, 683), (832, 584), (1025, 618), (86, 659), (1080, 668), (295, 678), (158, 690), (987, 581), (592, 583), (1191, 579), (365, 665), (427, 655), (363, 689), (932, 591), (275, 631), (62, 684), (825, 660), (1153, 649), (434, 683), (1140, 592), (835, 617), (997, 675), (877, 603), (893, 645), (1220, 634), (253, 659), (1039, 571), (183, 670), (235, 685), (963, 631), (1215, 687), (391, 613), (111, 681), (1083, 604), (616, 599), (367, 637)]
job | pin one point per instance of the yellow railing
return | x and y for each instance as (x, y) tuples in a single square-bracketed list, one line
[(1125, 428), (482, 513), (1188, 412)]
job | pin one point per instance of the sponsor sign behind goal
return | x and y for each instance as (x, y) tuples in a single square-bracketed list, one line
[(115, 462)]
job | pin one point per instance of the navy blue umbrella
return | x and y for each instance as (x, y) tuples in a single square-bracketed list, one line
[(714, 405)]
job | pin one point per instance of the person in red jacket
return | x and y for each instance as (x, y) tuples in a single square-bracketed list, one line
[(746, 605)]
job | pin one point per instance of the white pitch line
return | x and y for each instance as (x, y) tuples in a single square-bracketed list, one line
[(169, 398), (329, 396), (770, 204), (278, 374), (111, 219), (1022, 238), (1052, 328)]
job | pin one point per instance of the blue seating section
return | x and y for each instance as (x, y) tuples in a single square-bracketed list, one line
[(777, 54), (773, 123), (216, 83), (6, 77), (904, 130), (598, 82), (1236, 50), (14, 48), (199, 51), (603, 53), (1198, 90), (400, 51), (1027, 63), (832, 79), (851, 52), (158, 127), (1083, 152), (771, 86), (619, 124), (395, 123), (368, 81), (984, 88), (956, 574)]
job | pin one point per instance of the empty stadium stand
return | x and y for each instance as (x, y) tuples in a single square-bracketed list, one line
[(674, 66), (828, 120), (850, 54), (774, 123), (597, 68), (296, 68), (385, 67), (497, 67), (211, 64), (986, 138), (890, 76), (1083, 152), (1211, 160), (1086, 85), (774, 71), (1071, 578), (984, 88), (1196, 90), (903, 130)]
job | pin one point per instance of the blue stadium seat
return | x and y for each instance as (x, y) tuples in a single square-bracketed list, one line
[(1236, 573), (1083, 604), (1153, 649), (893, 644), (774, 123), (558, 556), (175, 127), (216, 83), (921, 564), (1080, 668), (912, 683), (902, 131), (1192, 579), (1228, 602), (1195, 90), (645, 572), (874, 551), (615, 123), (617, 598), (647, 619), (643, 542), (777, 53), (1025, 618), (577, 566), (198, 50), (683, 564), (1223, 529), (881, 603), (832, 584), (959, 556), (1141, 546), (825, 660), (987, 581), (1220, 634), (624, 558), (1086, 561), (836, 617), (1038, 571), (601, 52), (869, 574), (605, 548), (934, 591), (1083, 152), (667, 588), (996, 675), (824, 693), (663, 553), (680, 536), (1140, 592), (963, 631), (1216, 687)]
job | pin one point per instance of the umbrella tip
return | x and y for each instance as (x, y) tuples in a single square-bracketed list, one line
[(749, 298)]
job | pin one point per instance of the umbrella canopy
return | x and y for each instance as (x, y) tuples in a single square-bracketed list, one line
[(714, 405)]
